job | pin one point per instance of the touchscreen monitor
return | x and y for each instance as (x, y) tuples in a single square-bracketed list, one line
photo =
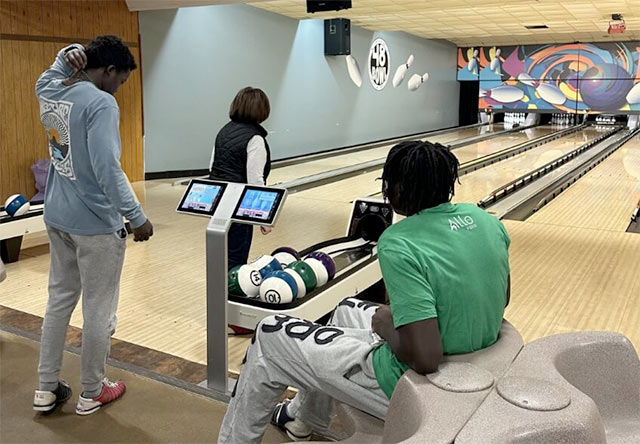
[(258, 204), (202, 197)]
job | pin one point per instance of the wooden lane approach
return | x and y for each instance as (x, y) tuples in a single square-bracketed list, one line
[(602, 199)]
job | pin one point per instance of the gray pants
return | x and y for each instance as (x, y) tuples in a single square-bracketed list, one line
[(324, 363), (91, 266)]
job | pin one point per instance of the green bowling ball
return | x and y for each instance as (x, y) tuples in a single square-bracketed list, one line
[(307, 274), (234, 284)]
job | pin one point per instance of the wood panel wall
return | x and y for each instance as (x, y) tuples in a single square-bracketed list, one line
[(31, 34)]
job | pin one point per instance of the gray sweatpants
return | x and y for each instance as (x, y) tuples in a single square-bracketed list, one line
[(323, 363), (91, 266)]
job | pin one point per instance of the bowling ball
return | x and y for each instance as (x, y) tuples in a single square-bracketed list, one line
[(302, 289), (278, 288), (244, 280), (320, 271), (232, 281), (605, 87), (286, 255), (16, 205), (306, 273), (326, 260), (266, 265)]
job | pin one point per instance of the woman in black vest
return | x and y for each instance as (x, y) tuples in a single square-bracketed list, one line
[(241, 154)]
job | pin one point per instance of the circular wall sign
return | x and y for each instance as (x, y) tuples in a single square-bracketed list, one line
[(379, 64)]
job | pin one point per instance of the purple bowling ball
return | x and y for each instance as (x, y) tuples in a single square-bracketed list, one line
[(605, 87), (326, 260)]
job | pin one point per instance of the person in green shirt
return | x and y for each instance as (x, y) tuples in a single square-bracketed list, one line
[(445, 267), (446, 270)]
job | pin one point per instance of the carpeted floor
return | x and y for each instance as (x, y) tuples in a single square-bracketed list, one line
[(150, 411)]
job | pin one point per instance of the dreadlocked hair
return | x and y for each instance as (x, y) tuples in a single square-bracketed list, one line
[(108, 50), (419, 175)]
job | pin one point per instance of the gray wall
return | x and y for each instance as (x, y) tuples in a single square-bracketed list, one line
[(194, 60)]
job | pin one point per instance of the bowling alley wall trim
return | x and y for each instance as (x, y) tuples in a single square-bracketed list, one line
[(577, 77), (31, 33)]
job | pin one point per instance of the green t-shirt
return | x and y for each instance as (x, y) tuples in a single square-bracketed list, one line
[(449, 262)]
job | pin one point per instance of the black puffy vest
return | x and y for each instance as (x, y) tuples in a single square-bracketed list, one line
[(230, 158)]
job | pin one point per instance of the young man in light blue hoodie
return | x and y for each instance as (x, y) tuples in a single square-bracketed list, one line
[(87, 196)]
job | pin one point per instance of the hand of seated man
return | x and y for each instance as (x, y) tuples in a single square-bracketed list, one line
[(382, 322)]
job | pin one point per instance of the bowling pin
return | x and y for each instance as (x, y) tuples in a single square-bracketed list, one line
[(398, 77), (354, 70), (473, 61), (495, 63), (416, 80), (634, 95), (548, 92), (504, 94)]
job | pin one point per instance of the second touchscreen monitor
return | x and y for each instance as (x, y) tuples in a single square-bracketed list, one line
[(258, 205)]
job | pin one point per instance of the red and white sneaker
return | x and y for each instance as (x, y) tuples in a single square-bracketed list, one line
[(110, 392)]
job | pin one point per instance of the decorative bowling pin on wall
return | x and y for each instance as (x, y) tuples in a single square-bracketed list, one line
[(495, 61), (633, 98), (547, 92), (473, 60), (503, 94), (416, 80), (354, 70), (398, 77)]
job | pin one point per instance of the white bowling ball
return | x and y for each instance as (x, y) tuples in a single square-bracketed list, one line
[(322, 276), (249, 280), (302, 291)]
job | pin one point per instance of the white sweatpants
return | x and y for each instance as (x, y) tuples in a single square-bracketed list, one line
[(322, 362)]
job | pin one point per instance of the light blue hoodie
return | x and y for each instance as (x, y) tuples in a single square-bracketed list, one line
[(87, 192)]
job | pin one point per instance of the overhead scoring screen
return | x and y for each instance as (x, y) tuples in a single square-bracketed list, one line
[(202, 197), (259, 205)]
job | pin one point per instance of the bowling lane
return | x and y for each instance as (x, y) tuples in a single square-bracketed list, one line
[(466, 133), (292, 172), (477, 185), (365, 184), (476, 150), (603, 199)]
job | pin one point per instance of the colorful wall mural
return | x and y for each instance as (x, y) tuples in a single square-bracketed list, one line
[(578, 77)]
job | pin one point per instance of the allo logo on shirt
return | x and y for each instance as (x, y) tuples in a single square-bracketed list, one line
[(55, 118), (459, 222)]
